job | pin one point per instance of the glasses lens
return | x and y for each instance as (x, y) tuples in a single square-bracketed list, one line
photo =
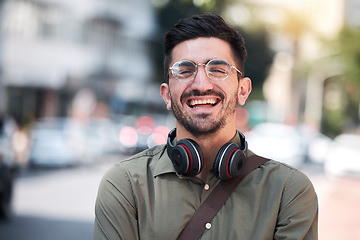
[(184, 70), (218, 69)]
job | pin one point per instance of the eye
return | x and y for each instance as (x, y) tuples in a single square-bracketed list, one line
[(185, 71), (217, 69)]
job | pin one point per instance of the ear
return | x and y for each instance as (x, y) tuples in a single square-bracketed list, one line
[(244, 90), (165, 94)]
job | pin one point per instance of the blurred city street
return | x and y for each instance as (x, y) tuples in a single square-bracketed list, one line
[(54, 204), (59, 204)]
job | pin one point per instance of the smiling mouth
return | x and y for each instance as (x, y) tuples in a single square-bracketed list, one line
[(202, 103)]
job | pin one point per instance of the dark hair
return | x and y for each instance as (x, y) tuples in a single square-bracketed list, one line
[(203, 25)]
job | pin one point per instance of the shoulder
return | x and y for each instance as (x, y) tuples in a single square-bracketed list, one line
[(280, 176), (137, 164), (291, 181), (284, 173), (284, 184), (143, 157)]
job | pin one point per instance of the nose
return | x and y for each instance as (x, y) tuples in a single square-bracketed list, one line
[(201, 81)]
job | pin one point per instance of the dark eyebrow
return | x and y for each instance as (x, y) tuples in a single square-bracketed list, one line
[(218, 60)]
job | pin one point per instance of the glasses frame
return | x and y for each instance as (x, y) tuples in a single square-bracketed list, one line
[(205, 65)]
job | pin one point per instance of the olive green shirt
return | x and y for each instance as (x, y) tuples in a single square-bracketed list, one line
[(144, 198)]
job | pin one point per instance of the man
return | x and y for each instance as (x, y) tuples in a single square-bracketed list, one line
[(152, 195)]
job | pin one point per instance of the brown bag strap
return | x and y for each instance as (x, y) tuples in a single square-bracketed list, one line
[(217, 198)]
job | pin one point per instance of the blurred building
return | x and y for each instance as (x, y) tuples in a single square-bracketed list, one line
[(352, 13), (50, 49)]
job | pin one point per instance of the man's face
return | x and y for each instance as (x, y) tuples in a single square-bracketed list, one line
[(203, 106)]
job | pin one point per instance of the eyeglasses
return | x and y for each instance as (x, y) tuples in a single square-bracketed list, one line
[(216, 70)]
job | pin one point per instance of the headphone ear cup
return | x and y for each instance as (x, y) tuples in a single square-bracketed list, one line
[(187, 157), (228, 162)]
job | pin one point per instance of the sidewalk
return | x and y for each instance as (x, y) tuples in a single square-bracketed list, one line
[(339, 208)]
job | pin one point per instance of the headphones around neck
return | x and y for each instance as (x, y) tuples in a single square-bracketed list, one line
[(188, 159)]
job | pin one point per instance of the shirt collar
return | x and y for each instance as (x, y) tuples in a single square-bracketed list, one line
[(164, 165)]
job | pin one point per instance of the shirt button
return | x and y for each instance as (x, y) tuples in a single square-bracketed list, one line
[(206, 187), (208, 225)]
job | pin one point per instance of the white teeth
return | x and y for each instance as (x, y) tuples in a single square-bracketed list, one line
[(203, 101)]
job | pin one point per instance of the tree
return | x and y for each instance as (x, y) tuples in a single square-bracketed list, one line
[(349, 52)]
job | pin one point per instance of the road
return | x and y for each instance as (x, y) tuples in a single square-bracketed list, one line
[(54, 204), (58, 204)]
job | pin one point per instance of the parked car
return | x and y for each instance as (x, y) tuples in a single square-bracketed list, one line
[(137, 133), (343, 157), (318, 146), (56, 142), (277, 141), (8, 169), (101, 138)]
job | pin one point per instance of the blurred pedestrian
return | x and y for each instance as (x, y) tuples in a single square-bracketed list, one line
[(153, 194)]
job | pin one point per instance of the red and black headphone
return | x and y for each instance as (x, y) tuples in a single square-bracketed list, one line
[(188, 160)]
